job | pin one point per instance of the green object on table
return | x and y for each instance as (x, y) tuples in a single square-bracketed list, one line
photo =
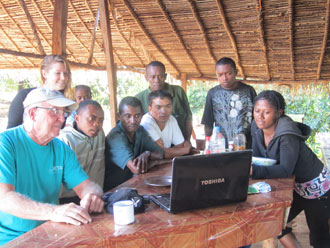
[(252, 190)]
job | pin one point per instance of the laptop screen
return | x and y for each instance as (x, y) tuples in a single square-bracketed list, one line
[(209, 180)]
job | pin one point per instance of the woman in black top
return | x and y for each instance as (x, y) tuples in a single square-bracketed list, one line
[(277, 136), (55, 74)]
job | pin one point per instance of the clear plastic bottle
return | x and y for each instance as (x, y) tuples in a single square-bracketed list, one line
[(207, 149), (217, 141)]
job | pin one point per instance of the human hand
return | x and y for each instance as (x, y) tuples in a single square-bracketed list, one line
[(141, 162), (92, 203), (187, 146), (194, 151), (70, 213)]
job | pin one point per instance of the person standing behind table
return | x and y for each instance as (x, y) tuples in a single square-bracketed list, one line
[(55, 74), (230, 104), (276, 136), (82, 93), (86, 138), (33, 166), (128, 147), (156, 76), (163, 127)]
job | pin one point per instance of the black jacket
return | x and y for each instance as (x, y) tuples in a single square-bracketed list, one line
[(288, 148), (16, 109)]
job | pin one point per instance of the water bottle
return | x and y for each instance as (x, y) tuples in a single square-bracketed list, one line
[(207, 149), (217, 141)]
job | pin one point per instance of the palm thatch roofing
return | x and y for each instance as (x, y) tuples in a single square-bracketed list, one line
[(270, 40)]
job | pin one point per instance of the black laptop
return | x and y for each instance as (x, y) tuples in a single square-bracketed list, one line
[(201, 181)]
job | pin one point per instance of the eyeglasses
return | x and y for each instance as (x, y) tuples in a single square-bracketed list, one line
[(56, 111)]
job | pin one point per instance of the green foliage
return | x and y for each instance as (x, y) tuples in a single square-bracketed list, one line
[(129, 84), (196, 93)]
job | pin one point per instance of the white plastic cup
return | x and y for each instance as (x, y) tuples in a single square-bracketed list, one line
[(123, 212)]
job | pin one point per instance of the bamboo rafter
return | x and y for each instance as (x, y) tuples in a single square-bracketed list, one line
[(146, 33), (49, 27), (73, 34), (262, 37), (91, 52), (33, 27), (291, 38), (325, 39), (5, 56), (75, 64), (176, 32), (123, 37), (15, 45), (89, 7), (231, 38), (20, 29), (84, 24), (202, 29)]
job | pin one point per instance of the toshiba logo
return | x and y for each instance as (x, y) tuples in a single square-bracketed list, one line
[(213, 181)]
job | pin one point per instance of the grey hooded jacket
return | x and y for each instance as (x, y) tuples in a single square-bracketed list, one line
[(288, 148)]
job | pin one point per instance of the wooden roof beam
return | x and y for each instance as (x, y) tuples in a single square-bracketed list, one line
[(110, 66), (33, 27), (262, 37), (291, 38), (75, 64), (178, 36), (325, 40), (59, 27), (91, 51), (146, 33), (15, 45), (231, 38), (202, 29), (84, 24), (20, 29), (48, 25), (8, 59), (123, 37)]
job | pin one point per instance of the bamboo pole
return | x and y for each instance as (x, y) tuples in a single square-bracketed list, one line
[(33, 27), (110, 66)]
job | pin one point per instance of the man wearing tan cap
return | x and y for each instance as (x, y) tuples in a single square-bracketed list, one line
[(34, 164)]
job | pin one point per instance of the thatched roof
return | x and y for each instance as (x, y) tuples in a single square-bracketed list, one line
[(270, 40)]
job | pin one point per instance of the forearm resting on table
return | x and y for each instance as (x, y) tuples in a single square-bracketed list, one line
[(88, 187), (24, 207), (178, 150)]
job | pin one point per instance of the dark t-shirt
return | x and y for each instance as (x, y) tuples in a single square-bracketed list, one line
[(230, 109), (16, 109)]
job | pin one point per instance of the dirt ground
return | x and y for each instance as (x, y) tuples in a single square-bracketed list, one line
[(300, 228)]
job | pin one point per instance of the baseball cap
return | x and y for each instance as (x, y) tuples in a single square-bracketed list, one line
[(53, 97)]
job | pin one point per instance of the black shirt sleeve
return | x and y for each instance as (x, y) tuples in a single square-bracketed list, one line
[(16, 108)]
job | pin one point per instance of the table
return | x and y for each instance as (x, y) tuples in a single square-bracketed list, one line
[(260, 217)]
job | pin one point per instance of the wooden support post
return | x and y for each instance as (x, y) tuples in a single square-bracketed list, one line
[(110, 66), (59, 27), (184, 81)]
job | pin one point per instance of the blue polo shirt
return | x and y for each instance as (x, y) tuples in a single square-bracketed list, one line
[(35, 171)]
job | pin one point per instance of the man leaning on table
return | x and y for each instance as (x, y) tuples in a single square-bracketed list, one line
[(163, 127), (128, 147), (34, 164)]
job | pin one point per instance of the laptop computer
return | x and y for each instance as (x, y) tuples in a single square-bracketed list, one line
[(201, 181)]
